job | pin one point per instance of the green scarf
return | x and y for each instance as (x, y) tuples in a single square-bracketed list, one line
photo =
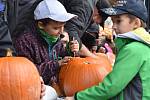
[(49, 38)]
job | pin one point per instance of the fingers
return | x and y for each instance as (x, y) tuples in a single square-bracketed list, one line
[(102, 50), (74, 46), (41, 79), (67, 57), (69, 98), (65, 60), (43, 88)]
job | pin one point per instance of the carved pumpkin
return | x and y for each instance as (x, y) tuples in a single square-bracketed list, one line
[(82, 73), (19, 79)]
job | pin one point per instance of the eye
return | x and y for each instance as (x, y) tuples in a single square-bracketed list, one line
[(118, 21), (57, 28)]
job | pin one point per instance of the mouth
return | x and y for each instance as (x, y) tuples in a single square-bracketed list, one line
[(116, 31), (58, 34)]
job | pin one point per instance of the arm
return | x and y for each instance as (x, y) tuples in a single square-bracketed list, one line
[(47, 68), (127, 65), (85, 52), (74, 47), (77, 26)]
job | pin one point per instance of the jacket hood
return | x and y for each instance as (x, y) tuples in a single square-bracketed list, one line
[(139, 34)]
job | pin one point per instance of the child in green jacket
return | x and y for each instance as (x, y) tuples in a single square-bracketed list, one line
[(130, 78)]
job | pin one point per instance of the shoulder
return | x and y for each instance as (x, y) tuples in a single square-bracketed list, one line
[(28, 36), (136, 48), (135, 45)]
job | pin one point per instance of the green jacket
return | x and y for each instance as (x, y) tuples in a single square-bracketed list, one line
[(130, 78)]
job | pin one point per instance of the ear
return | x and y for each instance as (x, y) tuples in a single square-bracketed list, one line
[(137, 23), (40, 25)]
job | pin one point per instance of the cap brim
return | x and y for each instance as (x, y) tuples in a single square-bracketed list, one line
[(64, 17), (113, 11)]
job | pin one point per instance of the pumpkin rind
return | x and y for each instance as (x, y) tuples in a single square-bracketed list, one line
[(19, 79), (81, 73)]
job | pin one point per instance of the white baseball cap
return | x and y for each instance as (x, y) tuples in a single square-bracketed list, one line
[(52, 9)]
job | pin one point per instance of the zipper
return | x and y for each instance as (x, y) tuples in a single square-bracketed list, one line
[(52, 53)]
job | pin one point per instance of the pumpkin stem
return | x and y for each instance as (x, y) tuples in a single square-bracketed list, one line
[(86, 62), (9, 52)]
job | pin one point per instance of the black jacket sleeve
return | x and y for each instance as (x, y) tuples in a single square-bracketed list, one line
[(20, 15), (5, 38), (77, 26)]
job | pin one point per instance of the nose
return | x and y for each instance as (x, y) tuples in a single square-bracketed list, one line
[(114, 27), (61, 29)]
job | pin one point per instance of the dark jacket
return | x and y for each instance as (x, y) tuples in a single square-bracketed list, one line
[(5, 39), (36, 49), (20, 15), (84, 9)]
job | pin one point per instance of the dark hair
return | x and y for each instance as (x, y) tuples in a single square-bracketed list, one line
[(100, 5), (132, 17), (47, 21), (44, 21)]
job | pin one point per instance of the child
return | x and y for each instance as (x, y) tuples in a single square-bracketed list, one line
[(42, 45), (130, 79)]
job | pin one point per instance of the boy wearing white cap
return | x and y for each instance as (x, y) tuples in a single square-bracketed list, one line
[(42, 43)]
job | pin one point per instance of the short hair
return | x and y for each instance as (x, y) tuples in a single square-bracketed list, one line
[(132, 17), (46, 21)]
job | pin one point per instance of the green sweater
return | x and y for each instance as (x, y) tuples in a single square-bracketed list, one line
[(130, 78)]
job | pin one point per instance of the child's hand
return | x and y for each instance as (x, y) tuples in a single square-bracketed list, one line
[(43, 88), (74, 46), (102, 50), (64, 60)]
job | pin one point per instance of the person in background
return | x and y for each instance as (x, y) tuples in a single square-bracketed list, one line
[(5, 38), (129, 79), (88, 12)]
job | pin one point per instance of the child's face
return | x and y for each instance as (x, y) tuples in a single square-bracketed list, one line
[(54, 28), (122, 24)]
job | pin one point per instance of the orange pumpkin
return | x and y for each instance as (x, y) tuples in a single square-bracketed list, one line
[(82, 73), (19, 79), (110, 56)]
